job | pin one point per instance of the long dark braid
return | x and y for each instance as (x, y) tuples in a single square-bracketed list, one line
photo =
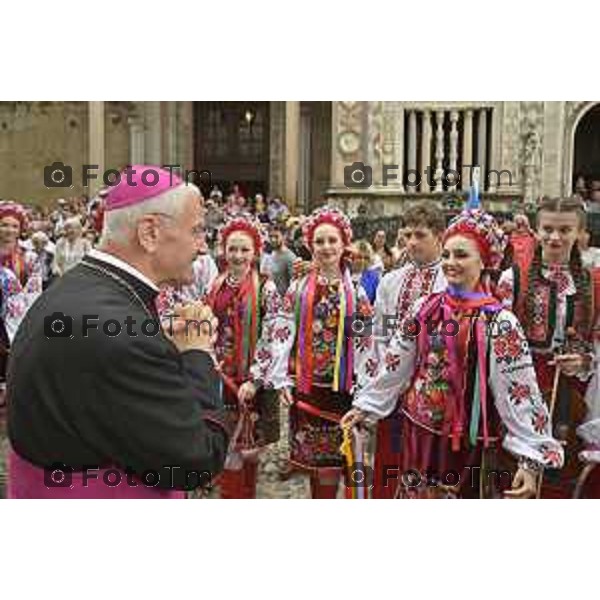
[(583, 286), (534, 278)]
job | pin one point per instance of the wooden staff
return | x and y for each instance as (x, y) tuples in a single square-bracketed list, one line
[(551, 413), (585, 473)]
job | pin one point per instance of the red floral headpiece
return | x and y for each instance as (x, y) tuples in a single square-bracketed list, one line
[(331, 216), (246, 224), (484, 230), (13, 209)]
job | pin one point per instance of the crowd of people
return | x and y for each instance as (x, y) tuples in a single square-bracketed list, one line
[(386, 351)]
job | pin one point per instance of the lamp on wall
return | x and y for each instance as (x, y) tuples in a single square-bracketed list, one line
[(249, 117)]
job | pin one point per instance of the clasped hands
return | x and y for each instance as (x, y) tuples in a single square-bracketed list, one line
[(192, 327)]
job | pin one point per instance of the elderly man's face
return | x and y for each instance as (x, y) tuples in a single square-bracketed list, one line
[(180, 241)]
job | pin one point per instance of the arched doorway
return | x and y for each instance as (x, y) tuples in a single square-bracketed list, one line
[(232, 142), (586, 155)]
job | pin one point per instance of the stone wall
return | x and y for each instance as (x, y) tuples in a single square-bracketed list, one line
[(534, 140), (36, 134)]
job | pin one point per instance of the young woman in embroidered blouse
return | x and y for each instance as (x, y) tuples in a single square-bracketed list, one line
[(319, 348), (247, 307), (462, 371), (551, 294)]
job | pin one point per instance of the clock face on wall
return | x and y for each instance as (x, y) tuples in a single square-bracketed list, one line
[(349, 142)]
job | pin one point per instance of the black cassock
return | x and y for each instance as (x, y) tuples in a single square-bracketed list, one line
[(130, 401)]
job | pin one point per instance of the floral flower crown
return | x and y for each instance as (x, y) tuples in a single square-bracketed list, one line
[(482, 228), (245, 223), (13, 209), (327, 215)]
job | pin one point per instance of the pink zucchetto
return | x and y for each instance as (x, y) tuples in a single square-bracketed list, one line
[(138, 183)]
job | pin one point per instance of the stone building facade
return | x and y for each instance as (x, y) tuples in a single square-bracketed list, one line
[(303, 150)]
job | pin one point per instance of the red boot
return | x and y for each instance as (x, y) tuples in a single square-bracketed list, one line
[(324, 483), (239, 485), (230, 484), (249, 480)]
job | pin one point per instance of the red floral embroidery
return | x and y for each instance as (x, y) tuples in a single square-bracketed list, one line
[(363, 343), (518, 392), (281, 334), (392, 361), (551, 457), (371, 367), (539, 420), (509, 347)]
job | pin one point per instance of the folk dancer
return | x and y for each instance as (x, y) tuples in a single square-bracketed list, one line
[(398, 291), (552, 298), (460, 384), (320, 349), (248, 308), (20, 280)]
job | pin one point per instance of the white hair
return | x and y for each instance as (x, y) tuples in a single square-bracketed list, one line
[(39, 235), (120, 223), (73, 222)]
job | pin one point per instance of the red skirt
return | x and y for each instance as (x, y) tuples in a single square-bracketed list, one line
[(569, 413), (430, 469)]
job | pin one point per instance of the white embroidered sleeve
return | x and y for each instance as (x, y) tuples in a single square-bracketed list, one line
[(589, 430), (517, 396), (505, 289), (386, 379), (270, 367), (384, 319), (362, 334), (18, 300)]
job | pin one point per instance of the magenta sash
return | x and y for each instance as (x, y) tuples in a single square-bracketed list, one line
[(26, 480)]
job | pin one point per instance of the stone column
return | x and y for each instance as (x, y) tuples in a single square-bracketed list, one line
[(276, 148), (510, 148), (186, 136), (153, 129), (292, 151), (453, 157), (304, 168), (136, 135), (96, 141), (425, 150), (412, 143), (467, 155), (169, 134), (482, 147), (494, 181), (393, 143), (439, 151), (554, 153)]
